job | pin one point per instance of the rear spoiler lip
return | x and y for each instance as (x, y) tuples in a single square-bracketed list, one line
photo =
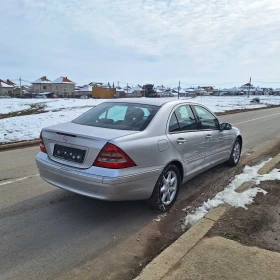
[(66, 134)]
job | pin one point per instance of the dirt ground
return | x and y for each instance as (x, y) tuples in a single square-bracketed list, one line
[(259, 225)]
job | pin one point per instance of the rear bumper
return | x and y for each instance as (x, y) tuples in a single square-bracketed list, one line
[(133, 187)]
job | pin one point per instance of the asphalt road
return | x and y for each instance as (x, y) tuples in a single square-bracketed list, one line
[(46, 231)]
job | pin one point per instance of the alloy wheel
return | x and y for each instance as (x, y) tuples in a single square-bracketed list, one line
[(169, 187), (236, 152)]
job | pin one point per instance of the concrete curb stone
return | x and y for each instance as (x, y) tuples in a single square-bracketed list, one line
[(270, 165), (176, 251), (19, 145)]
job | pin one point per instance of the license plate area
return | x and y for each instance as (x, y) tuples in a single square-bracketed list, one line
[(69, 154)]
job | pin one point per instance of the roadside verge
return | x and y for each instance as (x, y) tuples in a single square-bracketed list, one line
[(184, 258), (175, 252)]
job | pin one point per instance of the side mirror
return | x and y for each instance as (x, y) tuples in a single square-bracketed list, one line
[(226, 126)]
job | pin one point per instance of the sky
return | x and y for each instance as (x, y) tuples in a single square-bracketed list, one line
[(199, 42)]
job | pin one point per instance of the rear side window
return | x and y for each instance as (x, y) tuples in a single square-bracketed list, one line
[(123, 116), (173, 124)]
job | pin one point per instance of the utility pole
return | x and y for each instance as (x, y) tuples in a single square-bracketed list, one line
[(20, 87), (249, 87), (179, 89), (127, 89)]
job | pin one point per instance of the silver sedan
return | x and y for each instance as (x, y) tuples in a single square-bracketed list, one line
[(136, 149)]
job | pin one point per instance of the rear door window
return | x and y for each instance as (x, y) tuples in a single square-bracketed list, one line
[(123, 116), (186, 118), (182, 119)]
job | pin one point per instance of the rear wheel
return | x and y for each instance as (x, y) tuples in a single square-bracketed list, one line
[(235, 153), (166, 189)]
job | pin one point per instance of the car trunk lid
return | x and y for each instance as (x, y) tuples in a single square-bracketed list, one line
[(78, 145)]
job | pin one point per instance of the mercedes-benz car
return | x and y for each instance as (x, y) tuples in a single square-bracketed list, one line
[(136, 149)]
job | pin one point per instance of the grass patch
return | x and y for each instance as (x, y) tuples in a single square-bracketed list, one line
[(236, 236)]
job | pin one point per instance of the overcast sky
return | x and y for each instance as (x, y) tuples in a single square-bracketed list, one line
[(159, 41)]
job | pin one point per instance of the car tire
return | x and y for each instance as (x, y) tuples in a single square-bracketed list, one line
[(235, 153), (166, 189)]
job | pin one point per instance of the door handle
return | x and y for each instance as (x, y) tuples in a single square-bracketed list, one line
[(208, 136), (181, 141)]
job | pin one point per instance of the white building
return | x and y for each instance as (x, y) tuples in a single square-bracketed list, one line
[(84, 90), (63, 87), (135, 91), (43, 84), (5, 89)]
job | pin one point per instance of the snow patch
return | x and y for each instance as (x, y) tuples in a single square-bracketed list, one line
[(230, 197)]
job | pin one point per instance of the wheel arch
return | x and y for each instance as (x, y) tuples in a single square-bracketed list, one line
[(240, 139), (180, 167)]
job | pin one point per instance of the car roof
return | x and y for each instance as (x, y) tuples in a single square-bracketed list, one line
[(151, 101)]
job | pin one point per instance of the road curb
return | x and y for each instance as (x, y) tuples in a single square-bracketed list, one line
[(156, 269), (19, 145), (270, 165), (245, 186)]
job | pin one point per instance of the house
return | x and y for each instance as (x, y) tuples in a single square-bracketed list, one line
[(120, 92), (10, 83), (63, 87), (135, 91), (5, 89), (199, 91), (43, 84), (24, 89), (83, 90), (190, 92), (208, 88)]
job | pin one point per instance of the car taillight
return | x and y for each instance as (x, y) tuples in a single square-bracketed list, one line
[(113, 157), (42, 145)]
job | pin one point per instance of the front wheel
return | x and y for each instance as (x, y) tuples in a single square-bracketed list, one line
[(166, 189), (235, 154)]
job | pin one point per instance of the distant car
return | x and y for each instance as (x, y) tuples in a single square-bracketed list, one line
[(136, 149), (41, 96), (83, 97), (168, 95), (5, 96)]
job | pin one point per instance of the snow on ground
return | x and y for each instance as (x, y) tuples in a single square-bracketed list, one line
[(62, 110), (15, 104), (229, 196)]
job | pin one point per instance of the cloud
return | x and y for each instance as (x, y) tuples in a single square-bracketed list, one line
[(156, 40)]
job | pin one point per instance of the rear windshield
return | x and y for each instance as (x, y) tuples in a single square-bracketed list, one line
[(123, 116)]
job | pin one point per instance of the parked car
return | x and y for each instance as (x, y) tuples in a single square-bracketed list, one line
[(137, 149), (41, 96), (83, 97), (5, 96)]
